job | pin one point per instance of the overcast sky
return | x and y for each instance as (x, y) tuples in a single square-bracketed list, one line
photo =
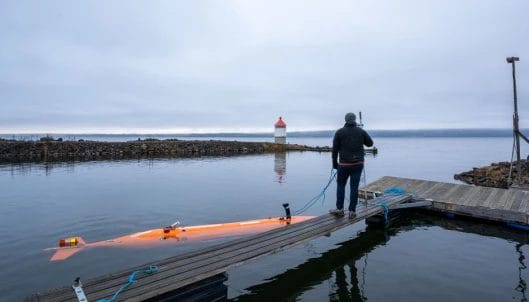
[(202, 66)]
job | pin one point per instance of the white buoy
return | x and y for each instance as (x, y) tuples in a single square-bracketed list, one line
[(280, 131)]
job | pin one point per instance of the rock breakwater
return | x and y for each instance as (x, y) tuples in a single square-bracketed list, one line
[(36, 151), (495, 175)]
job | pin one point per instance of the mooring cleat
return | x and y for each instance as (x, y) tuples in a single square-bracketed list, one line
[(337, 212)]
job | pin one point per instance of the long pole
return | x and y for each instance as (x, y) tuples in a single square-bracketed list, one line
[(516, 124), (516, 127)]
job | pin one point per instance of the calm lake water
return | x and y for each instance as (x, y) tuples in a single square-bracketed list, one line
[(422, 258)]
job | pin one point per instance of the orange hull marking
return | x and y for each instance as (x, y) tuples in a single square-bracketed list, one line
[(179, 234)]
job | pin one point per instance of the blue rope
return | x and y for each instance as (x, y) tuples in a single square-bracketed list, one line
[(395, 191), (320, 196), (131, 280), (381, 203)]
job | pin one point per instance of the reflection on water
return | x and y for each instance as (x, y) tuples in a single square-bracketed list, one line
[(522, 286), (330, 265), (29, 168), (280, 166), (346, 268), (36, 168)]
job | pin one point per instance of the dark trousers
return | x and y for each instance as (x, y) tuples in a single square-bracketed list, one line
[(345, 172)]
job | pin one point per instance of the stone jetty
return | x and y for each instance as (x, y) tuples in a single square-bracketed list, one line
[(12, 151), (495, 175)]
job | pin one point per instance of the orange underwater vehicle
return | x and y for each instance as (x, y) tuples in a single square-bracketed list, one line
[(70, 246)]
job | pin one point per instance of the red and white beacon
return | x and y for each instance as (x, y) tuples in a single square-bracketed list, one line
[(280, 131)]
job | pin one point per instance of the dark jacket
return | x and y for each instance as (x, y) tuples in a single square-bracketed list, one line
[(349, 143)]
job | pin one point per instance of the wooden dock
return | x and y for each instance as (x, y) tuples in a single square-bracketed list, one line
[(183, 270), (503, 205)]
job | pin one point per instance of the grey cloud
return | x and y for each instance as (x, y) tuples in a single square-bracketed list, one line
[(239, 65)]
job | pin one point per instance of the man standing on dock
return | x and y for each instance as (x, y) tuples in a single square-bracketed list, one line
[(348, 146)]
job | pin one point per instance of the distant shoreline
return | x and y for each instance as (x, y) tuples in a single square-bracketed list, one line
[(420, 133)]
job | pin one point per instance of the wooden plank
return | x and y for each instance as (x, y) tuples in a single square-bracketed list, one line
[(469, 195), (440, 191), (490, 214), (500, 203), (446, 195), (508, 201), (523, 202), (475, 197), (431, 188), (525, 205), (386, 182), (394, 182), (498, 194), (481, 196), (464, 198), (416, 204), (410, 185), (457, 196), (423, 187), (516, 204), (472, 195), (419, 189), (383, 183)]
